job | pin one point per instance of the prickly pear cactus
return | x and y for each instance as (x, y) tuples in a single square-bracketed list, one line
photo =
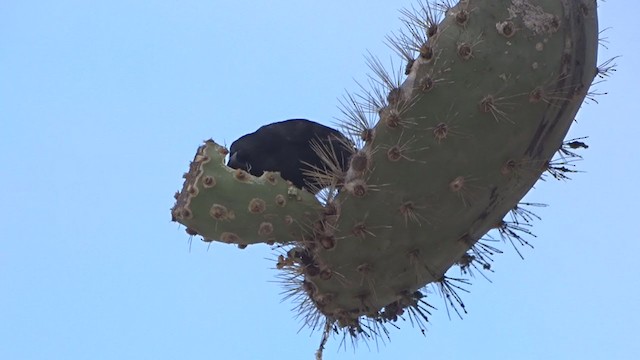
[(235, 207), (490, 91)]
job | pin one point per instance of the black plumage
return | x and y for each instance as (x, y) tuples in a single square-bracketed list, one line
[(286, 147)]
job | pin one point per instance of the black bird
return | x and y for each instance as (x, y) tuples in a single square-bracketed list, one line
[(286, 147)]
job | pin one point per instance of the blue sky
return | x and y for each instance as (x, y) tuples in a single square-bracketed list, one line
[(102, 105)]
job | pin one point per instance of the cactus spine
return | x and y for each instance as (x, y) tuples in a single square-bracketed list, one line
[(492, 87)]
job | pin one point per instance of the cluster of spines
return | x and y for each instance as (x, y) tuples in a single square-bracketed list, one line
[(297, 263)]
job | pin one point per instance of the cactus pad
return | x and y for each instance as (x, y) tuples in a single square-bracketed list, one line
[(491, 89)]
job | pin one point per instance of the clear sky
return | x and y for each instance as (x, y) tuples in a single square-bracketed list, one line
[(102, 105)]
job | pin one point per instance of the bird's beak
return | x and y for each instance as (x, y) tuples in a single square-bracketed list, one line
[(233, 161)]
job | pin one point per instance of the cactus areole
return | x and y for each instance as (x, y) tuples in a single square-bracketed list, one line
[(491, 89)]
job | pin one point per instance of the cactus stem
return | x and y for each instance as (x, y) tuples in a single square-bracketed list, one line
[(352, 264), (324, 340)]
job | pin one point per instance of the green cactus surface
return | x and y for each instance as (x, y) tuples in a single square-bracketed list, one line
[(491, 89), (232, 206)]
